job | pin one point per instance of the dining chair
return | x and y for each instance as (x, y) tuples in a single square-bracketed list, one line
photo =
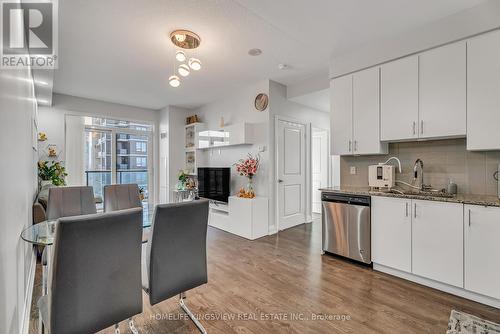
[(176, 257), (70, 201), (95, 277), (121, 196)]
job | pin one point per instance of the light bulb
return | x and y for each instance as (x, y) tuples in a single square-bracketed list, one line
[(195, 64), (180, 37), (183, 70), (180, 56), (174, 81)]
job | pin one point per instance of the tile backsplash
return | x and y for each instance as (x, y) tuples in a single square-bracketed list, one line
[(443, 160)]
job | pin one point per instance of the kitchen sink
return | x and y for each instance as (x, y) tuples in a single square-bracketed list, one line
[(423, 193)]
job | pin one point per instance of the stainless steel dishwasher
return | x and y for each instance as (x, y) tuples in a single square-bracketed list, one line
[(347, 226)]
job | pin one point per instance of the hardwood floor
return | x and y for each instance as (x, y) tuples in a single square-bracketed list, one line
[(285, 275)]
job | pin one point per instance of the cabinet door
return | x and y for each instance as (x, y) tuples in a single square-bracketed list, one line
[(341, 115), (482, 250), (483, 92), (366, 113), (391, 232), (437, 242), (443, 92), (399, 100)]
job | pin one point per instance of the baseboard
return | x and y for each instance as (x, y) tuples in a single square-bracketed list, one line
[(439, 286), (28, 298)]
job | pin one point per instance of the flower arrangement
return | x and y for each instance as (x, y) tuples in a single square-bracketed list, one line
[(248, 167), (52, 171)]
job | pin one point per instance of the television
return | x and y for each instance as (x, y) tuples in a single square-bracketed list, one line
[(213, 183)]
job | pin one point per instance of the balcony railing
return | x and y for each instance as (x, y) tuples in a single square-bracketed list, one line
[(99, 178)]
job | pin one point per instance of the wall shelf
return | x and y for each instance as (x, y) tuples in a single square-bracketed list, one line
[(231, 135)]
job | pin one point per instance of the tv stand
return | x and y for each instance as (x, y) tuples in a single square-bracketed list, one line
[(245, 217)]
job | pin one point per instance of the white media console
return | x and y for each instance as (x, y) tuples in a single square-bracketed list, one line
[(245, 217)]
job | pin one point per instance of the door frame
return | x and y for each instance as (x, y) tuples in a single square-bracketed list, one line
[(308, 176), (329, 178)]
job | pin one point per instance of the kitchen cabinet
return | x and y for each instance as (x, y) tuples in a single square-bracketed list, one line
[(483, 92), (355, 121), (366, 113), (437, 241), (442, 92), (341, 115), (391, 232), (399, 100), (482, 250)]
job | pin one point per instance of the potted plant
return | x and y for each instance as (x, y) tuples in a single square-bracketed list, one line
[(248, 167), (52, 172)]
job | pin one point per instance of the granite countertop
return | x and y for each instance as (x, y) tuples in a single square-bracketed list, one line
[(485, 200)]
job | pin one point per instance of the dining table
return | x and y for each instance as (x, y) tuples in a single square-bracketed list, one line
[(43, 233)]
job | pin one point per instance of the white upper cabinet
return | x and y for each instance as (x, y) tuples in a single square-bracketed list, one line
[(481, 231), (437, 241), (355, 114), (391, 232), (442, 83), (399, 100), (483, 92), (341, 115), (366, 113)]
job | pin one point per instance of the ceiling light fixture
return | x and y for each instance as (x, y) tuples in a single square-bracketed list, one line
[(180, 56), (183, 70), (195, 64), (255, 52), (186, 40), (174, 81)]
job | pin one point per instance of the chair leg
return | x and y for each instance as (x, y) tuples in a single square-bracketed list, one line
[(131, 325), (190, 314), (117, 329)]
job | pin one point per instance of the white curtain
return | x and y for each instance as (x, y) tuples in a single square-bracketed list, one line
[(75, 144)]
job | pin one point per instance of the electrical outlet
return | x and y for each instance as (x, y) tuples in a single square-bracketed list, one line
[(353, 170)]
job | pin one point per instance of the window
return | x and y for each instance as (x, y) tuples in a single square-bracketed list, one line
[(140, 147), (140, 162)]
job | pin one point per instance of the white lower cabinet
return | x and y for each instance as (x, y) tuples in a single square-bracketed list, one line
[(482, 250), (437, 241), (391, 232), (424, 238)]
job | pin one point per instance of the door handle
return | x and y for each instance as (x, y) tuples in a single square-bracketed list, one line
[(415, 210), (350, 143), (421, 127), (469, 217), (406, 205), (280, 181), (355, 146), (414, 128)]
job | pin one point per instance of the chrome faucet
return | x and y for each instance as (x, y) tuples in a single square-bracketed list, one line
[(420, 163)]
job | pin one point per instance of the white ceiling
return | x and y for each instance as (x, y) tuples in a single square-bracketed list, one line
[(119, 51)]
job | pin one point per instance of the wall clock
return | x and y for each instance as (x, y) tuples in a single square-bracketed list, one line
[(261, 102)]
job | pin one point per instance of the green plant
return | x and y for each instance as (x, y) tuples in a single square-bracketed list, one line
[(52, 171), (183, 176)]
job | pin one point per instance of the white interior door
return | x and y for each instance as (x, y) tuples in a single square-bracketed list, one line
[(319, 166), (291, 173)]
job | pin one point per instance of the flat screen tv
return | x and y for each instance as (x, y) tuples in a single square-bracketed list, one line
[(213, 183)]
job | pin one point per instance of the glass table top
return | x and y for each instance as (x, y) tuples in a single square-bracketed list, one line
[(43, 233)]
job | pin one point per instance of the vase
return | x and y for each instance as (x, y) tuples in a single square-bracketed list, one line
[(250, 190)]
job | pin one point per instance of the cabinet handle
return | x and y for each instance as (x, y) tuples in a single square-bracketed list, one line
[(469, 217), (355, 146), (406, 205), (414, 128), (422, 127), (349, 146), (415, 210)]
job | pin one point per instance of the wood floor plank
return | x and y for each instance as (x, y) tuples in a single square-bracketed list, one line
[(258, 286)]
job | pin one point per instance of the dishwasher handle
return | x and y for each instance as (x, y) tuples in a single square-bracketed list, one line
[(346, 199)]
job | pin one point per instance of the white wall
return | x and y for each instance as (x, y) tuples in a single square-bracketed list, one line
[(280, 106), (238, 107), (172, 122), (52, 120), (463, 24), (18, 170)]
